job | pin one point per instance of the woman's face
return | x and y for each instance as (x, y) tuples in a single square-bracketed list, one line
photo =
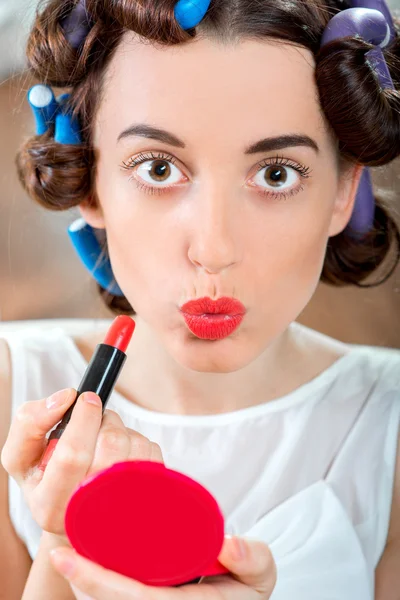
[(208, 213)]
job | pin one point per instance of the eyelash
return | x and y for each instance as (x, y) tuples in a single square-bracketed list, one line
[(303, 171)]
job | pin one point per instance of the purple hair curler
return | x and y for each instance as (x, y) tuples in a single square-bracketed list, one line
[(77, 25), (377, 62), (371, 26), (362, 218), (370, 20), (384, 9)]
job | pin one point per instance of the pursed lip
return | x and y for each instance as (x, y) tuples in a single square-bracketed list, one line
[(223, 306)]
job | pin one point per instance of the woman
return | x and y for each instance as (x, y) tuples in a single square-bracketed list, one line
[(223, 160)]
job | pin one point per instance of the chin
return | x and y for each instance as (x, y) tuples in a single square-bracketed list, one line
[(213, 356)]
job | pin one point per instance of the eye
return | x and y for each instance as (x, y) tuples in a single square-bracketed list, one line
[(279, 177), (154, 173), (157, 173)]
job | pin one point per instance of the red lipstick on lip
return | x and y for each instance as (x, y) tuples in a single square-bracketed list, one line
[(213, 319), (100, 376)]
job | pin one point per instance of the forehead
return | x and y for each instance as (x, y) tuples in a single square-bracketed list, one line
[(202, 87)]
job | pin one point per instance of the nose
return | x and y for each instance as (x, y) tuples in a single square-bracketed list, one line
[(214, 239)]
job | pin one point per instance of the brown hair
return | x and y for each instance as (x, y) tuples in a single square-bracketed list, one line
[(364, 119)]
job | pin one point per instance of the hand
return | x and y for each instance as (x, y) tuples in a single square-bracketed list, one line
[(89, 443), (252, 578)]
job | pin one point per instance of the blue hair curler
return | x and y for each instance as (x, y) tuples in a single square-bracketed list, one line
[(190, 13), (88, 248), (78, 23), (44, 107), (67, 128)]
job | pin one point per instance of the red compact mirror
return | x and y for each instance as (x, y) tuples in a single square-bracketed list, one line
[(147, 522)]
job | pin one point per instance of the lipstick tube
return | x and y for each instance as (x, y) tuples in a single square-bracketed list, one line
[(100, 376)]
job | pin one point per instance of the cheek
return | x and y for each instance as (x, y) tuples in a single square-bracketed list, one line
[(291, 258), (131, 220), (144, 257), (281, 249)]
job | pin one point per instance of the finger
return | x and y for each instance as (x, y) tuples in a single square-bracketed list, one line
[(250, 562), (99, 583), (144, 449), (26, 439), (93, 582), (117, 443), (112, 444), (73, 454)]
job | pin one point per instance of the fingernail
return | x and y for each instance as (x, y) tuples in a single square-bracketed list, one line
[(59, 398), (238, 548), (91, 398), (63, 560)]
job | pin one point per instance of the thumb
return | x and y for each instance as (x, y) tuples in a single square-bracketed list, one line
[(250, 562)]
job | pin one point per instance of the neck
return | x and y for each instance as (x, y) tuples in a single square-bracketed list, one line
[(152, 379)]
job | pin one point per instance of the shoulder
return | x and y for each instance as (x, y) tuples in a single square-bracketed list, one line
[(40, 359), (14, 558), (85, 342), (5, 390), (387, 572), (374, 368), (380, 366), (394, 528)]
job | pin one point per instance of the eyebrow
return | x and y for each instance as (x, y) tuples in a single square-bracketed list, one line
[(265, 145)]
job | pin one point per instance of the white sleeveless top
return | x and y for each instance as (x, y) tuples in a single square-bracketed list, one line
[(311, 474)]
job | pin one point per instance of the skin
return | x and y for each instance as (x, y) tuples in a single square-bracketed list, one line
[(213, 233)]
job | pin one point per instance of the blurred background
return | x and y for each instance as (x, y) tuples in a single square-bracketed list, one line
[(40, 277)]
